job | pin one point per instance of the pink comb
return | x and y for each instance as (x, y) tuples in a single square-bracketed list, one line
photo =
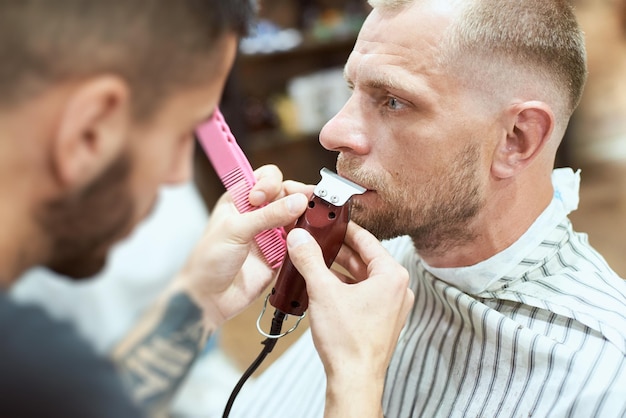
[(235, 172)]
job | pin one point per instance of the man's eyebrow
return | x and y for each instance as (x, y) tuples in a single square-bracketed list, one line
[(378, 80)]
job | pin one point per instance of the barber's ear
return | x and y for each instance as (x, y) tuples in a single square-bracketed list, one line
[(529, 127), (92, 130)]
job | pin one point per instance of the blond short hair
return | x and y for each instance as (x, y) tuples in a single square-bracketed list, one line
[(541, 36)]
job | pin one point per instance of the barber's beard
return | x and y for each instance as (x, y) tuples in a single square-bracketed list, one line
[(436, 215), (82, 227)]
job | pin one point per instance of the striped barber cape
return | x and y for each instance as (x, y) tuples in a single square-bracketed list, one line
[(537, 330)]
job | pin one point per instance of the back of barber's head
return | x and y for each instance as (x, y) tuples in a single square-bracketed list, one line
[(153, 44)]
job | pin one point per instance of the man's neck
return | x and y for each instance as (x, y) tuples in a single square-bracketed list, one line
[(19, 244), (498, 226), (25, 179)]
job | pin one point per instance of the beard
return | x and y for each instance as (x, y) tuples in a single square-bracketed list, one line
[(83, 226), (436, 215)]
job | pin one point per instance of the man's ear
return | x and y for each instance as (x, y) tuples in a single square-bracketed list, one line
[(92, 130), (529, 128)]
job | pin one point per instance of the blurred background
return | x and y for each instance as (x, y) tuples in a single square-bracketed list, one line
[(596, 140)]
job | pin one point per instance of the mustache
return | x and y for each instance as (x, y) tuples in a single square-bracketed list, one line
[(353, 169)]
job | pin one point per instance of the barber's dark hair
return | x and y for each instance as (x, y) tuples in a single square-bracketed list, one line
[(153, 44)]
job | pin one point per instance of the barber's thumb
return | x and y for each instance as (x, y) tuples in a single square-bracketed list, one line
[(306, 255)]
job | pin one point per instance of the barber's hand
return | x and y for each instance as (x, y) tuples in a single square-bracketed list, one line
[(355, 322), (226, 273)]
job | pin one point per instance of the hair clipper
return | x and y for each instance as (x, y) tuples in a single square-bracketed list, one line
[(326, 219)]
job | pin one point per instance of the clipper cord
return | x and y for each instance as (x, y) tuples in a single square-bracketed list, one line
[(269, 343)]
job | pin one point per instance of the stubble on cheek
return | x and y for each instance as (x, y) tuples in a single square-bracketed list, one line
[(435, 211), (379, 210)]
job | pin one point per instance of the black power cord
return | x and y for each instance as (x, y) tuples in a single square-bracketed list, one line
[(269, 343)]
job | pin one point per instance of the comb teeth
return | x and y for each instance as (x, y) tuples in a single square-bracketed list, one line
[(232, 177), (238, 186), (236, 174), (272, 241), (272, 245)]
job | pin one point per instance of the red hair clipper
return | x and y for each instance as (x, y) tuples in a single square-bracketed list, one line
[(326, 219)]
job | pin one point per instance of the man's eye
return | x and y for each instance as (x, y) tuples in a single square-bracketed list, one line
[(393, 103)]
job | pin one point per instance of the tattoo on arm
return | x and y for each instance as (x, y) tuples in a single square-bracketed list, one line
[(158, 356)]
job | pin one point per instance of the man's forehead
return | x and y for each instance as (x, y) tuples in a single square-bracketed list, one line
[(418, 27), (377, 68), (384, 56)]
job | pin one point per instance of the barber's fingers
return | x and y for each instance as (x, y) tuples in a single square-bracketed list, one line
[(268, 185), (276, 214), (384, 274), (351, 264), (362, 255), (291, 186), (368, 247), (363, 242), (306, 256), (359, 250)]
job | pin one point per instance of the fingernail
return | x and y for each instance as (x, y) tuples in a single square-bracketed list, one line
[(257, 197), (297, 237), (295, 203)]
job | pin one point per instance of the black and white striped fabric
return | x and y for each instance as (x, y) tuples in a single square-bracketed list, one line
[(538, 330)]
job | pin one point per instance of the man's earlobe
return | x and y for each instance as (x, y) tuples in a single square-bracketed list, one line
[(92, 130), (530, 128)]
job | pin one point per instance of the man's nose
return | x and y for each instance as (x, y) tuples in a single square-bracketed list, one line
[(345, 132)]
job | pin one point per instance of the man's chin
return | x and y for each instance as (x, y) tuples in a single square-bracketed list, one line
[(80, 270)]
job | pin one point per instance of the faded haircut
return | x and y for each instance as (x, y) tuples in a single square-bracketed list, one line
[(540, 36), (155, 45)]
